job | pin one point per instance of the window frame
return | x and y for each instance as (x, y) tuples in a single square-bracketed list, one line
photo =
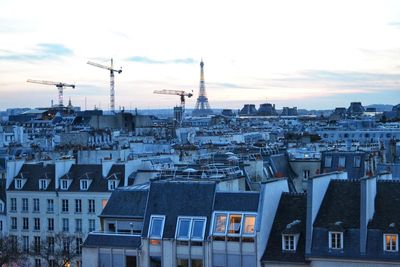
[(152, 218), (82, 183), (227, 214), (284, 242), (341, 234), (342, 162), (326, 161), (191, 227), (384, 242), (43, 184)]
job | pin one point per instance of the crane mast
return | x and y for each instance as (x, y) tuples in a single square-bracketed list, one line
[(112, 82), (60, 86)]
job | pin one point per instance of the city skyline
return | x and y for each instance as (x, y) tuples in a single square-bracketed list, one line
[(313, 54)]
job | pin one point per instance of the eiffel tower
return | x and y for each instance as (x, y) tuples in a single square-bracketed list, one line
[(202, 108)]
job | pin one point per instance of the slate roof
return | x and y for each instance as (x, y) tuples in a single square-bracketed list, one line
[(33, 173), (387, 205), (353, 172), (174, 199), (290, 217), (117, 171), (126, 203), (341, 203), (87, 171), (112, 241), (236, 201)]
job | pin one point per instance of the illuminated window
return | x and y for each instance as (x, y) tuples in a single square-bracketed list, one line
[(336, 240), (156, 227), (249, 222), (390, 242), (220, 224), (235, 221)]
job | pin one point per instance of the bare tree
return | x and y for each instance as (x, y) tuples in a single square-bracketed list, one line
[(11, 252), (58, 250)]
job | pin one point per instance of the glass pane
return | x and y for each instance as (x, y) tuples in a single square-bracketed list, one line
[(220, 223), (156, 227), (235, 223), (183, 263), (198, 226), (249, 222), (183, 228)]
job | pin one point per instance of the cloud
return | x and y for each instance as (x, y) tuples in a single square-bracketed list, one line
[(147, 60), (395, 24), (44, 51)]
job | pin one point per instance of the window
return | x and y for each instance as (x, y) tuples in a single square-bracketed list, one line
[(342, 162), (336, 240), (156, 227), (13, 206), (64, 184), (42, 184), (78, 246), (1, 207), (1, 225), (238, 224), (306, 174), (84, 184), (25, 244), (182, 262), (78, 225), (37, 224), (190, 228), (38, 263), (50, 242), (14, 223), (234, 224), (183, 228), (64, 205), (357, 161), (92, 225), (78, 205), (328, 162), (25, 223), (65, 224), (91, 206), (50, 205), (37, 244), (249, 222), (18, 184), (25, 206), (220, 224), (36, 205), (288, 242), (112, 184), (50, 224), (66, 245), (198, 228), (390, 242)]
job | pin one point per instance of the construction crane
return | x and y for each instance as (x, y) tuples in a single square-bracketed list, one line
[(182, 94), (112, 90), (60, 86)]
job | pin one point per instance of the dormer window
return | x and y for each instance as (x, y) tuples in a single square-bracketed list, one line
[(64, 184), (156, 226), (342, 162), (42, 184), (336, 240), (390, 242), (234, 224), (112, 184), (190, 228), (84, 184), (18, 184), (289, 242)]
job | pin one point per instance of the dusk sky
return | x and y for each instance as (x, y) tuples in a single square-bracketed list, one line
[(310, 54)]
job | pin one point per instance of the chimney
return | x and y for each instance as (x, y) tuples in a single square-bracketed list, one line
[(367, 208), (316, 190), (106, 165)]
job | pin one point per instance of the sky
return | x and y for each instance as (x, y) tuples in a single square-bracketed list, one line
[(313, 54)]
